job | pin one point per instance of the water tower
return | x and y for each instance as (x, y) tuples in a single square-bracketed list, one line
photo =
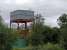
[(21, 16)]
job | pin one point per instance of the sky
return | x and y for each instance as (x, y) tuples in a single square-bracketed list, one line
[(50, 9)]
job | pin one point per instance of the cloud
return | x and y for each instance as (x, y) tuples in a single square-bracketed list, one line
[(50, 9), (21, 2)]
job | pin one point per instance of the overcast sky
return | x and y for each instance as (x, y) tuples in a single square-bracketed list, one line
[(50, 9)]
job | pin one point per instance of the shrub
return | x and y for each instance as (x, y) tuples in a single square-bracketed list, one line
[(48, 46)]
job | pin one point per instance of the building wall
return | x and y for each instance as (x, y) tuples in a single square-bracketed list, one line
[(21, 14)]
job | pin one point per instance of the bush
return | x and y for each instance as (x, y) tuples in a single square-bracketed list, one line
[(48, 46)]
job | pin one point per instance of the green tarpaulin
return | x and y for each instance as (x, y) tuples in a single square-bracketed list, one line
[(20, 43)]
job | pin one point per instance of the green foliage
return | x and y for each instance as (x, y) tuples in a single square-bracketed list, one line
[(7, 36), (51, 35), (37, 36), (43, 34), (8, 39), (62, 21), (48, 46), (63, 29)]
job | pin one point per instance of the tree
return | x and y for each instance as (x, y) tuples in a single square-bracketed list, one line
[(42, 34), (63, 29), (7, 36), (37, 37), (51, 35), (62, 21)]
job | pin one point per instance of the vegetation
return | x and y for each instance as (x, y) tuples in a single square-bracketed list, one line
[(63, 28), (43, 34), (7, 36), (43, 37), (48, 46)]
